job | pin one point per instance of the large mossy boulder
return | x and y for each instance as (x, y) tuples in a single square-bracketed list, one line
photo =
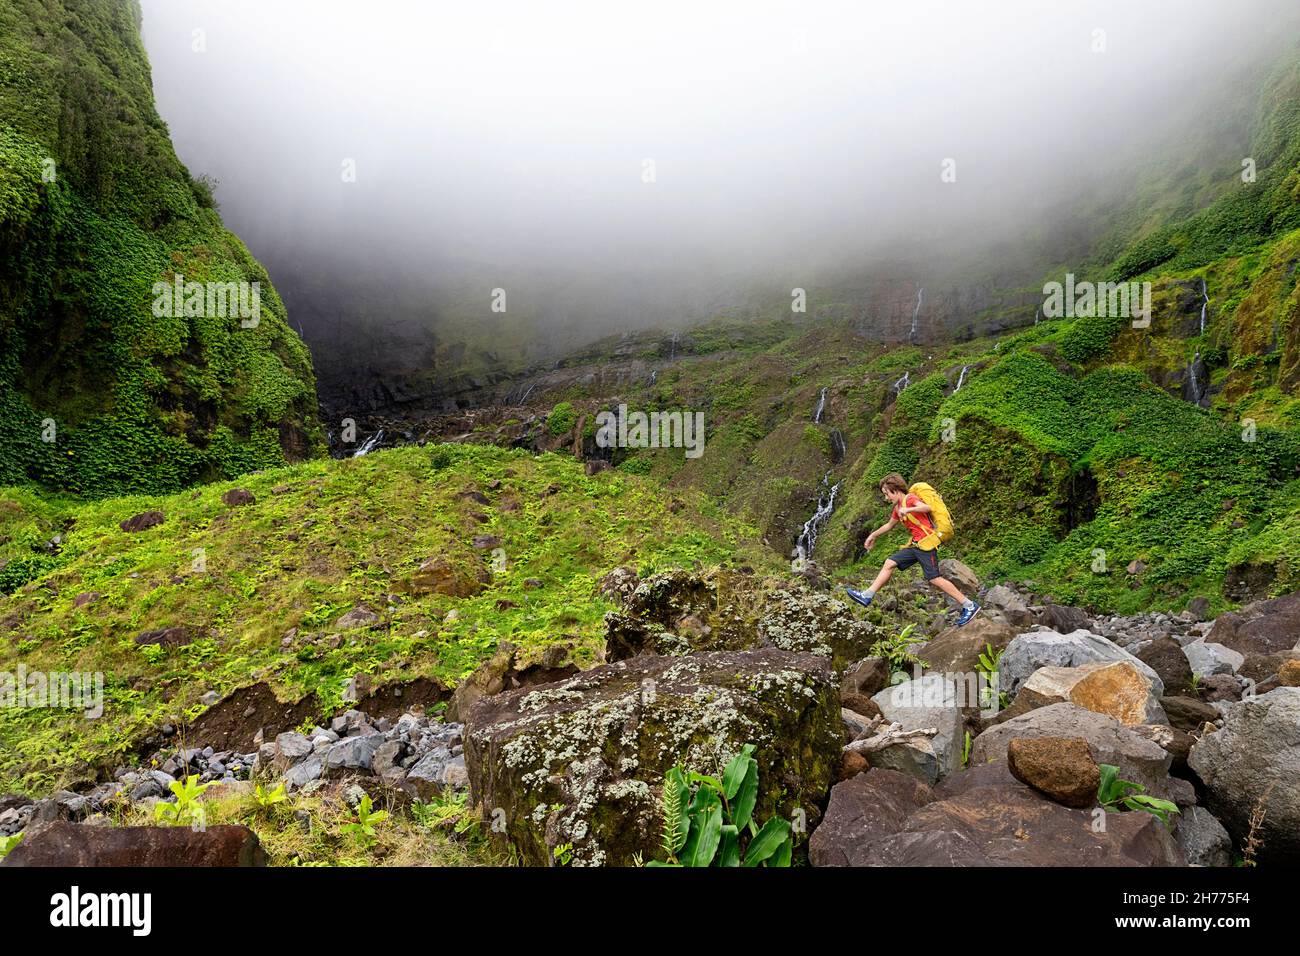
[(680, 612), (579, 764)]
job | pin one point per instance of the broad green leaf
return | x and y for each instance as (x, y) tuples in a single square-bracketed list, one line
[(706, 847), (783, 853), (742, 808), (768, 841), (729, 852)]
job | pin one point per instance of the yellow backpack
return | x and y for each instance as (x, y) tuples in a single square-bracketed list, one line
[(939, 516)]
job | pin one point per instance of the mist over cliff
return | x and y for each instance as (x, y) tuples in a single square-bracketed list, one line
[(612, 168)]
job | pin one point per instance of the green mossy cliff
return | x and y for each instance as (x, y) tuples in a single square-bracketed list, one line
[(98, 396)]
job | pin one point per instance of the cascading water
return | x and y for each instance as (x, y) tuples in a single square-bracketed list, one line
[(370, 444), (672, 348), (654, 374), (902, 383), (1194, 384), (960, 379), (916, 313), (807, 540), (838, 448), (821, 406), (1204, 305), (1036, 313)]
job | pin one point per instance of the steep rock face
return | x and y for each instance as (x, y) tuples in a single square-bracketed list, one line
[(581, 762), (99, 393)]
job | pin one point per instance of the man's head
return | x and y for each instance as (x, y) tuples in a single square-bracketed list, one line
[(894, 488)]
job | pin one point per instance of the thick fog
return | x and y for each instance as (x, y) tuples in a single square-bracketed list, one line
[(617, 164)]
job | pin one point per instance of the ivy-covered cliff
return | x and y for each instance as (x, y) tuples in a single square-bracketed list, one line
[(99, 394)]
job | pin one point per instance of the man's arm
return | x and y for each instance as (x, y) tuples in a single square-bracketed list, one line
[(885, 528)]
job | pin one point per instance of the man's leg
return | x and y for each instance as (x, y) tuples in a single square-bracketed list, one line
[(866, 597), (950, 589)]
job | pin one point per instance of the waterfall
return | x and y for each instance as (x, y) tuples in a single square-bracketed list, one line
[(838, 448), (920, 295), (807, 540), (821, 405), (370, 444), (1192, 379), (654, 374), (902, 383), (672, 349), (526, 394), (1036, 312), (1204, 305), (960, 379)]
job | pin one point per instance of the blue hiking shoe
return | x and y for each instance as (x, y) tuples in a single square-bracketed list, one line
[(967, 613), (863, 599)]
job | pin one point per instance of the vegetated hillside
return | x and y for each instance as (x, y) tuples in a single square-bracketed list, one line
[(447, 550), (97, 395)]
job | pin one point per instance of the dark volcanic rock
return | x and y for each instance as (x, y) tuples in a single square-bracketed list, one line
[(1261, 628), (1165, 656), (142, 521), (71, 844), (237, 497)]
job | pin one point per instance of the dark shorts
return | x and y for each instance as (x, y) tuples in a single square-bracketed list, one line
[(928, 560)]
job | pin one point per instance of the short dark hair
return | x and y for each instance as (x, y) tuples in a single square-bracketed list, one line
[(893, 482)]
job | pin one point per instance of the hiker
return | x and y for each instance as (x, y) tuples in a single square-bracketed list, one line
[(912, 510)]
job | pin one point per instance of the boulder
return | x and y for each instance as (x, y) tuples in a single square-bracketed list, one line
[(1202, 838), (359, 616), (1060, 768), (1165, 656), (581, 762), (1252, 765), (237, 498), (932, 701), (1063, 618), (915, 757), (177, 636), (958, 649), (1289, 674), (1009, 606), (982, 817), (142, 522), (867, 677), (70, 844), (1138, 759), (966, 580), (441, 575), (1117, 689), (509, 668), (1207, 659), (1264, 627), (1188, 714), (1028, 652)]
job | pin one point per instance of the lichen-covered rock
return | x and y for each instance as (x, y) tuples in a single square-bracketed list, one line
[(581, 762), (511, 667), (679, 612)]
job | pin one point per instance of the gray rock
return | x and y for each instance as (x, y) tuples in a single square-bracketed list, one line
[(1253, 762), (352, 753), (301, 774), (289, 748), (387, 756), (930, 702), (1204, 840), (914, 757), (1209, 659), (455, 776), (1028, 652)]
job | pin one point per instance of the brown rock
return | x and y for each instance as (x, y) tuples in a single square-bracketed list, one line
[(1062, 768), (440, 575), (1188, 714), (1289, 674), (860, 704), (1264, 627), (237, 497), (70, 844), (86, 597), (958, 649), (852, 765), (595, 466), (1115, 688), (1165, 656), (866, 678), (142, 521), (169, 636)]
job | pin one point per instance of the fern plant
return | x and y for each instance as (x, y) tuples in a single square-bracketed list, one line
[(710, 822), (896, 650), (186, 810)]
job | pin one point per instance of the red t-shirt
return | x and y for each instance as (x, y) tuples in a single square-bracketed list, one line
[(918, 523)]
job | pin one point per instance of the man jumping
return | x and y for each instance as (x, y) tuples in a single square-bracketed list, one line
[(915, 513)]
